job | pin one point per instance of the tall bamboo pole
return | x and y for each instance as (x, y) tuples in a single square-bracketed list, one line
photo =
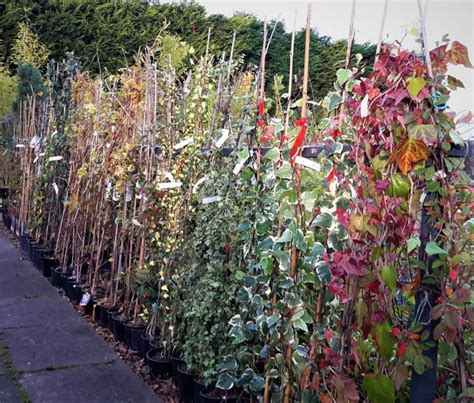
[(382, 27), (290, 77), (288, 393)]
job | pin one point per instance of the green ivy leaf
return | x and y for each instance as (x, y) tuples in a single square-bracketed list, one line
[(379, 388), (384, 340), (342, 76), (412, 244), (389, 276), (284, 172), (415, 86), (273, 154), (432, 248), (287, 236), (323, 220), (225, 382)]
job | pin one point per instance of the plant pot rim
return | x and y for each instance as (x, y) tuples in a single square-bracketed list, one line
[(150, 355), (205, 393)]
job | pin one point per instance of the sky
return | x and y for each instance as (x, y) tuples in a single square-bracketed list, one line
[(332, 17)]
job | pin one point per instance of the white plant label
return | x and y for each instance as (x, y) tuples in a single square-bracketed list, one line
[(184, 143), (199, 183), (239, 166), (56, 189), (308, 163), (169, 185), (223, 138), (364, 107), (211, 199), (20, 146), (55, 158), (169, 176)]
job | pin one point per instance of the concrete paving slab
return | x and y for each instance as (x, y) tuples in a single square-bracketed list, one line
[(38, 311), (8, 390), (87, 385), (42, 347)]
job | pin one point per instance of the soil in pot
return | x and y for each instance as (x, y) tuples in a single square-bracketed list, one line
[(185, 383), (160, 366), (215, 395), (136, 334), (199, 386), (118, 329)]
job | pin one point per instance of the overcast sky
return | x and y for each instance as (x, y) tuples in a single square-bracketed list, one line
[(331, 17)]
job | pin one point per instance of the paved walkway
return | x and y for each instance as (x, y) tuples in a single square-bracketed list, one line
[(48, 353)]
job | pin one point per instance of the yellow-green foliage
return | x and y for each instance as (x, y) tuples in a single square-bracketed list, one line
[(27, 48), (8, 89), (172, 51)]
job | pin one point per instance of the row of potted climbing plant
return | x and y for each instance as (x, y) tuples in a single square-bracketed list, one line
[(183, 209)]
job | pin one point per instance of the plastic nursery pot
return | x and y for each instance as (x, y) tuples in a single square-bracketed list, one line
[(199, 386), (64, 280), (48, 263), (77, 293), (24, 242), (185, 383), (38, 257), (144, 346), (56, 277), (110, 322), (104, 317), (118, 329), (97, 311), (31, 246), (160, 367), (135, 337), (213, 396), (176, 361), (128, 327)]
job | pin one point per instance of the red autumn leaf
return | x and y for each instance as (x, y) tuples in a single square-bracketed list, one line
[(402, 348), (407, 153), (261, 107), (331, 175), (453, 275), (458, 54), (438, 57), (396, 331), (303, 123)]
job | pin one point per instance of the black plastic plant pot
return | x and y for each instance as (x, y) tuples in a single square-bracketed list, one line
[(97, 313), (128, 327), (104, 317), (31, 245), (144, 345), (211, 397), (48, 263), (185, 383), (199, 386), (176, 361), (110, 322), (136, 334), (160, 367), (56, 277), (64, 281), (24, 242), (118, 330)]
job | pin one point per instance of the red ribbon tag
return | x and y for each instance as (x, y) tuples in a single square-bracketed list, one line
[(303, 123)]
